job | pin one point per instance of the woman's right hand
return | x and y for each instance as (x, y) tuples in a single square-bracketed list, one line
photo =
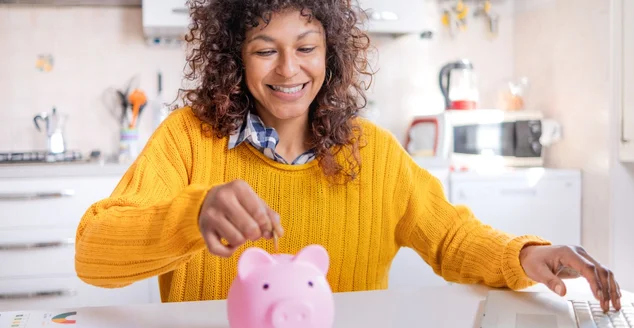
[(233, 211)]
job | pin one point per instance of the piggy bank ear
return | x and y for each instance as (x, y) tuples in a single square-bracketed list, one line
[(251, 260), (315, 255)]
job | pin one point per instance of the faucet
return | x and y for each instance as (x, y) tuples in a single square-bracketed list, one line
[(54, 124)]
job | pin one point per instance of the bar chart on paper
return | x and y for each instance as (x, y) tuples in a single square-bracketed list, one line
[(30, 319)]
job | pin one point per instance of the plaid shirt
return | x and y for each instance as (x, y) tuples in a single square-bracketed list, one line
[(264, 139)]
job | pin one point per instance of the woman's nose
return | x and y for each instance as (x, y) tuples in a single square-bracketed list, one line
[(288, 66)]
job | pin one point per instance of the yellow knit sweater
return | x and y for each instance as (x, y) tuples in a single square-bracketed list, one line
[(148, 226)]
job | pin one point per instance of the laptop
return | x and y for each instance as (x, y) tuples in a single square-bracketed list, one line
[(508, 309)]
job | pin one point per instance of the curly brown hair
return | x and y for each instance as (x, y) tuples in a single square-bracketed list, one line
[(221, 98)]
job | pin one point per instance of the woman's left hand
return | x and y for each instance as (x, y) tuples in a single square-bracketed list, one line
[(550, 264)]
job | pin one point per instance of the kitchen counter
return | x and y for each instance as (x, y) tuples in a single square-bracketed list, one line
[(62, 169), (450, 306)]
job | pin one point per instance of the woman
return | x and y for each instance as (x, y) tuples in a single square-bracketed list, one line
[(270, 143)]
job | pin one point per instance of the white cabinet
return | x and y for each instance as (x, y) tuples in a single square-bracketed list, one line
[(165, 18), (53, 292), (541, 202), (50, 202), (38, 223), (394, 17), (626, 152)]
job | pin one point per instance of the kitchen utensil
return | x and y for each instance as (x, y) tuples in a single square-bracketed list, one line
[(457, 83), (483, 8), (492, 18), (494, 24), (454, 18), (462, 12), (118, 104), (447, 21), (159, 110), (137, 99), (112, 99), (54, 125)]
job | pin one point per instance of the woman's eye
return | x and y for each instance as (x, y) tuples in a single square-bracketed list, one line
[(265, 53), (307, 50)]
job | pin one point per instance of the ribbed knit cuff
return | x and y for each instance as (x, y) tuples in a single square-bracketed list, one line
[(195, 194), (512, 270)]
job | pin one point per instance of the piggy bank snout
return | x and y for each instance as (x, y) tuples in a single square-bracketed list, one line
[(292, 314)]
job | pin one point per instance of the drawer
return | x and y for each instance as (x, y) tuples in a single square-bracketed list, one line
[(67, 292), (38, 202), (33, 253)]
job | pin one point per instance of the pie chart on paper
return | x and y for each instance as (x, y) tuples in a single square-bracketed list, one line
[(67, 318)]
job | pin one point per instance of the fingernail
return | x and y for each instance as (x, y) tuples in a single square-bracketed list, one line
[(600, 295), (267, 234), (559, 290)]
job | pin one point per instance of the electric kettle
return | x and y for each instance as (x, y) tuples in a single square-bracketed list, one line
[(457, 83)]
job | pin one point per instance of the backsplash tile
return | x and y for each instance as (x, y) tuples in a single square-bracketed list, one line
[(95, 48)]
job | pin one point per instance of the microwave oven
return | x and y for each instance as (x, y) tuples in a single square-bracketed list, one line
[(482, 137)]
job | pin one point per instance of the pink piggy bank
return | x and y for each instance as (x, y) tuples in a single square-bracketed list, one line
[(281, 290)]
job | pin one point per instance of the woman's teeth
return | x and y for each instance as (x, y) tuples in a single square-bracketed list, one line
[(288, 90)]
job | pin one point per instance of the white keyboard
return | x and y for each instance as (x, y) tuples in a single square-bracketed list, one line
[(590, 315)]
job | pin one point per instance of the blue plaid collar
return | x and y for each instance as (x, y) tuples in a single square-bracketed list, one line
[(264, 139)]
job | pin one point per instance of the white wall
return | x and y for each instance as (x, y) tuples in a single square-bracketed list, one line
[(567, 48), (407, 80), (622, 213), (622, 176), (98, 48), (93, 49), (567, 60)]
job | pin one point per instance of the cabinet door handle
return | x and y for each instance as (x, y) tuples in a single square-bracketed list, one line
[(42, 245), (36, 195), (623, 139), (39, 294)]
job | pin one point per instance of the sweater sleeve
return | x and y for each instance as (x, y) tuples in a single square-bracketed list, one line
[(458, 246), (148, 226)]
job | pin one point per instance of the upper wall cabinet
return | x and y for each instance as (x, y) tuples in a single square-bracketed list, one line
[(170, 18), (626, 152), (393, 17), (165, 18)]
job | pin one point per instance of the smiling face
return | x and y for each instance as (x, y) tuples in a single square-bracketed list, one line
[(285, 65)]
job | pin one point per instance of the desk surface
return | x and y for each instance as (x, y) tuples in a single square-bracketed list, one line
[(451, 306)]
